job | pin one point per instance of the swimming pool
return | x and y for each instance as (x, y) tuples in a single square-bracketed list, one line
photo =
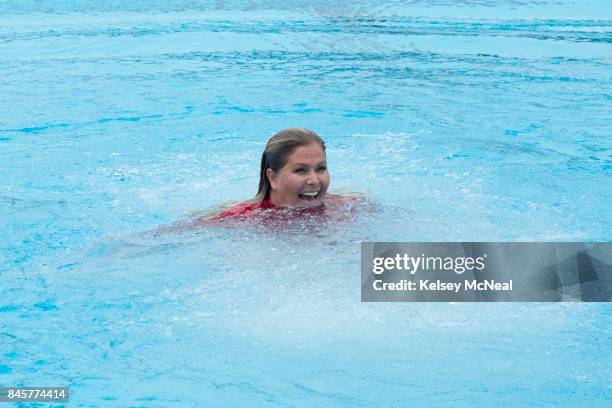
[(463, 120)]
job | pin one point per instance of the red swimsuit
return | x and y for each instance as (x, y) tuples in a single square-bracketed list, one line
[(334, 206), (248, 209), (242, 209)]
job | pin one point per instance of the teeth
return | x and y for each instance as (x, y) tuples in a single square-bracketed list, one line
[(310, 194)]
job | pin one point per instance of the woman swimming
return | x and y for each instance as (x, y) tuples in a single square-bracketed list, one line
[(293, 182), (293, 174)]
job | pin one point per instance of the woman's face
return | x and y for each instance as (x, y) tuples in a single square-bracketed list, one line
[(303, 180)]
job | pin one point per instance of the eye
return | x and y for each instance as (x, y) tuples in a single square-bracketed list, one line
[(300, 171), (321, 168)]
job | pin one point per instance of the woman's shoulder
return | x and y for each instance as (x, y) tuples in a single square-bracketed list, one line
[(239, 209), (212, 217)]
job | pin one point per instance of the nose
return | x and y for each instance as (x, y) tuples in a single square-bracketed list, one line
[(312, 179)]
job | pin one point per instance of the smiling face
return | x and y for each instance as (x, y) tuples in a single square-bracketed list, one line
[(302, 181)]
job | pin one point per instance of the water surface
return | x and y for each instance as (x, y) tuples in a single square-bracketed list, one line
[(463, 120)]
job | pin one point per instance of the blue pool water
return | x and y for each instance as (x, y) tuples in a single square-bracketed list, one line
[(463, 120)]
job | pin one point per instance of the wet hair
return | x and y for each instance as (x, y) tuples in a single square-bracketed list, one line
[(277, 152)]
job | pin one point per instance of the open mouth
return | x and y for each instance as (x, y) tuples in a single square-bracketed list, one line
[(309, 196)]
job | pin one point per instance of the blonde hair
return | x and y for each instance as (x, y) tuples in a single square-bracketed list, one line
[(277, 152)]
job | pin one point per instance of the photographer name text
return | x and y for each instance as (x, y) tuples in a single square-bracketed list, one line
[(428, 285)]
